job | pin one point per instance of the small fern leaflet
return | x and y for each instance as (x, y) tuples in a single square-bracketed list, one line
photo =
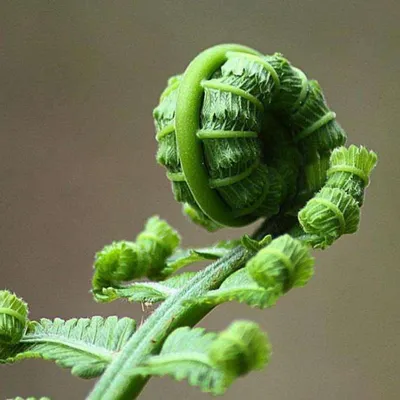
[(85, 345)]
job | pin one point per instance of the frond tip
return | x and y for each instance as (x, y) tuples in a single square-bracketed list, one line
[(350, 170), (283, 264), (330, 214), (125, 260), (240, 287), (153, 292), (13, 318), (211, 361), (335, 209), (241, 348)]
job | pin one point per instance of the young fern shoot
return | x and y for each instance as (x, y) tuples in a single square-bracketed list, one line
[(243, 137)]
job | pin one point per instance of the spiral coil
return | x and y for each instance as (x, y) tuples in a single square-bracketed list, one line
[(335, 209), (13, 318), (244, 135)]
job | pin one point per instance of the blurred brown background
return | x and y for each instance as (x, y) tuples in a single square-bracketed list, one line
[(79, 80)]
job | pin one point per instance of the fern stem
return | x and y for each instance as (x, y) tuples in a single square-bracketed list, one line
[(120, 382)]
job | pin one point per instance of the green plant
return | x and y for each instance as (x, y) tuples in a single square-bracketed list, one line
[(243, 136)]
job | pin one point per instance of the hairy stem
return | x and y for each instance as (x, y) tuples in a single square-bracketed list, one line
[(120, 382)]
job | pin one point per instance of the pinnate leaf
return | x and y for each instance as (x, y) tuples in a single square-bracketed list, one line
[(240, 287), (85, 345), (154, 292), (146, 292), (210, 360)]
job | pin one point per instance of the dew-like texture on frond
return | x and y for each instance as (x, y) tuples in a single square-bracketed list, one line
[(85, 345), (13, 318)]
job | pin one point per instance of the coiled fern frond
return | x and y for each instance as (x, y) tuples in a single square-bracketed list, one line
[(244, 136)]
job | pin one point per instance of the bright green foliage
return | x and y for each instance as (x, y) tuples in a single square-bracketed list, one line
[(241, 348), (313, 179), (85, 345), (184, 257), (147, 292), (158, 241), (335, 209), (154, 292), (199, 218), (13, 317), (210, 361), (184, 355), (242, 136), (124, 261), (330, 214), (240, 287), (350, 169), (262, 124), (255, 245), (283, 264)]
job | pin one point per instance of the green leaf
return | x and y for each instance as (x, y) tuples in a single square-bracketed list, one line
[(266, 277), (146, 292), (197, 216), (240, 348), (210, 361), (13, 317), (285, 263), (85, 345), (185, 356), (255, 245), (184, 257), (350, 170), (146, 257), (154, 292), (330, 214), (241, 287), (106, 290)]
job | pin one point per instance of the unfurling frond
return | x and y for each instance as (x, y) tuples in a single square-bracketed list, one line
[(211, 361)]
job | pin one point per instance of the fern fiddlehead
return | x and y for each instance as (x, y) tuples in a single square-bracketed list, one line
[(126, 260), (335, 209), (13, 317), (243, 136)]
